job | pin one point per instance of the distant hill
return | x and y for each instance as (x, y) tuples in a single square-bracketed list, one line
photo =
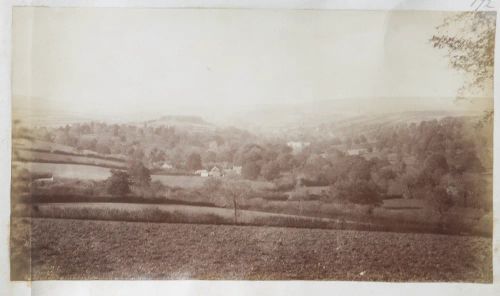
[(181, 122), (333, 116)]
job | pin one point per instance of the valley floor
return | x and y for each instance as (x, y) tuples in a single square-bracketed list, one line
[(82, 249)]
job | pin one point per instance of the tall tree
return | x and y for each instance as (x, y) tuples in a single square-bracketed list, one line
[(236, 191), (139, 174), (118, 183), (270, 170), (250, 170), (194, 162), (469, 40)]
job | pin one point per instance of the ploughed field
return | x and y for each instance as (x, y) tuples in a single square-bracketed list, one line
[(83, 249)]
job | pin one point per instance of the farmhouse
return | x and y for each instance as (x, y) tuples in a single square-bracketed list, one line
[(162, 165), (167, 166), (215, 172), (297, 147), (202, 173), (357, 151)]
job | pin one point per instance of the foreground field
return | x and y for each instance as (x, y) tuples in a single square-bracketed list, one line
[(77, 249)]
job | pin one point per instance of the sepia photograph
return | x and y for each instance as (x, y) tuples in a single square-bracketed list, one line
[(251, 144)]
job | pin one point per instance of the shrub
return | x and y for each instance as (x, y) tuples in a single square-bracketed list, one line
[(118, 183), (359, 192), (285, 183)]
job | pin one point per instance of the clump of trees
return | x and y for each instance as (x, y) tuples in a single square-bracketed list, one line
[(194, 162), (359, 192), (140, 175), (137, 177), (118, 184)]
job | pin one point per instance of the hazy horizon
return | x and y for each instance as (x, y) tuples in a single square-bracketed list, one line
[(266, 115), (223, 64)]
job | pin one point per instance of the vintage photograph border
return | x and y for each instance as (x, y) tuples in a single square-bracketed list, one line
[(221, 287)]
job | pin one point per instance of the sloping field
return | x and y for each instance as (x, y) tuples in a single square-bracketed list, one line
[(95, 172), (48, 157), (73, 171), (78, 249), (42, 145)]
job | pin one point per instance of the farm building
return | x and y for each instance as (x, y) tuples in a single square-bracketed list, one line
[(357, 151), (167, 166), (215, 172), (162, 165), (202, 173), (297, 147)]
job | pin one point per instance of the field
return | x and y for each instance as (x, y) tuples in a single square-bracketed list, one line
[(48, 157), (78, 249), (180, 181), (197, 181), (42, 145), (73, 171), (87, 172), (172, 213)]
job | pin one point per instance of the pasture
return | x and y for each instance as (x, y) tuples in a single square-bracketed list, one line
[(69, 171), (42, 145), (95, 172), (180, 181), (48, 157), (197, 182)]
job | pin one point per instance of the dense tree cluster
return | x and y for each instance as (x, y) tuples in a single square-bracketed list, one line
[(439, 160), (152, 145)]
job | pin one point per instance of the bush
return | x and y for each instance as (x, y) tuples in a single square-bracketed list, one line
[(118, 183), (270, 170), (250, 170), (156, 189), (139, 174), (359, 192), (285, 183)]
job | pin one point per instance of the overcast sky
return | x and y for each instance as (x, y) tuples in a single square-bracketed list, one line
[(122, 62)]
